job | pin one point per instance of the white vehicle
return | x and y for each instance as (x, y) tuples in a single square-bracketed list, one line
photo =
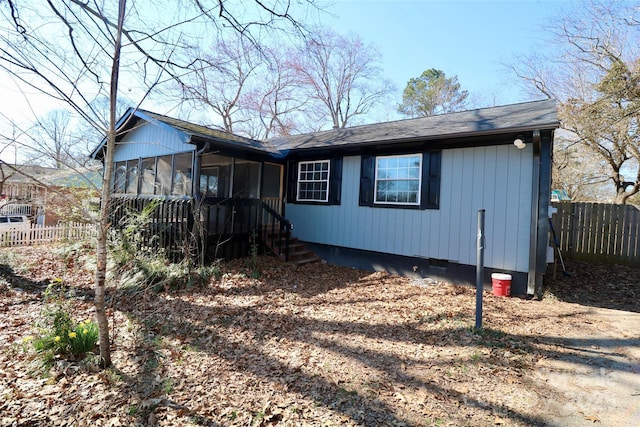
[(14, 222)]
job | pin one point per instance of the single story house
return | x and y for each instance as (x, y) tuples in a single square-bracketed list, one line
[(400, 196)]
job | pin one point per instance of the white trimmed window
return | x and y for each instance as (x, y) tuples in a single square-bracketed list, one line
[(398, 179), (313, 181)]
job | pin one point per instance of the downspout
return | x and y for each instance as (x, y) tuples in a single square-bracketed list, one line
[(232, 177), (539, 213), (260, 179), (533, 231), (546, 147)]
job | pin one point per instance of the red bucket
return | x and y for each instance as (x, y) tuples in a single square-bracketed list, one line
[(501, 284)]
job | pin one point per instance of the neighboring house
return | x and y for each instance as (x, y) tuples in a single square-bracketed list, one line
[(41, 193), (89, 176), (401, 196), (22, 190), (23, 182)]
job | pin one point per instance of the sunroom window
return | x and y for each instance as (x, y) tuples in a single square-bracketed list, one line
[(147, 175), (397, 179), (209, 181), (120, 177), (313, 181), (132, 177), (164, 175), (182, 174)]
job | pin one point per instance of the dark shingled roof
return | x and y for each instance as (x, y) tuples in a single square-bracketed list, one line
[(193, 131), (522, 117), (504, 119), (207, 133)]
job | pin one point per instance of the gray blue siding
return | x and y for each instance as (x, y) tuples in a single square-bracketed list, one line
[(151, 140), (494, 178)]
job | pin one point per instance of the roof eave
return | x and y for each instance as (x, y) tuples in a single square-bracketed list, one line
[(416, 139)]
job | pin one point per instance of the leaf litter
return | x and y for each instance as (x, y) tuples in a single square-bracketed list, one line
[(319, 345)]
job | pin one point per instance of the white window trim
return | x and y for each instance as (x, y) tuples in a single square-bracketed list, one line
[(326, 196), (419, 179)]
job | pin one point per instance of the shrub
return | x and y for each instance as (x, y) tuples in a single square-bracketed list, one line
[(158, 274), (129, 238), (140, 262)]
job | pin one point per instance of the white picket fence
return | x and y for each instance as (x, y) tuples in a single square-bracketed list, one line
[(38, 234)]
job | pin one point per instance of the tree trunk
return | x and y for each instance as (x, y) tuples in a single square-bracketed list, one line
[(623, 196), (105, 201), (99, 302)]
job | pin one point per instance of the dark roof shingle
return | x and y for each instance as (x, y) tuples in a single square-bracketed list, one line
[(208, 133), (485, 121), (508, 118)]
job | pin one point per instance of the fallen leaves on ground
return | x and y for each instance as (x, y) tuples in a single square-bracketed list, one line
[(315, 346), (593, 284)]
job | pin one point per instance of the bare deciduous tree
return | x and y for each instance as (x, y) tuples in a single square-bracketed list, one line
[(262, 92), (221, 80), (581, 173), (276, 104), (342, 74), (53, 141), (73, 51), (595, 77)]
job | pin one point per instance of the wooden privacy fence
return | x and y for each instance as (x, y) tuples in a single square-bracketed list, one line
[(36, 234), (598, 232)]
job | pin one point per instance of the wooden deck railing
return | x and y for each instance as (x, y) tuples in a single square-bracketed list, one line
[(167, 224), (213, 220), (274, 203), (228, 216), (171, 224), (274, 231), (16, 209)]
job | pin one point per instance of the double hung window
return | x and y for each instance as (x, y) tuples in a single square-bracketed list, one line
[(397, 180), (313, 181), (409, 181), (317, 182)]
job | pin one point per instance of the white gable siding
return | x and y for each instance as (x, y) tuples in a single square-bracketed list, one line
[(495, 178), (151, 140)]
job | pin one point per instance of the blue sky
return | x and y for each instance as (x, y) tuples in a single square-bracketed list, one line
[(470, 39)]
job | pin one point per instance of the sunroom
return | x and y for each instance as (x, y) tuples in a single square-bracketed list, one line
[(205, 185)]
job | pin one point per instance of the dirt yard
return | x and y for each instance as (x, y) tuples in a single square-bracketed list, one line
[(328, 346)]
